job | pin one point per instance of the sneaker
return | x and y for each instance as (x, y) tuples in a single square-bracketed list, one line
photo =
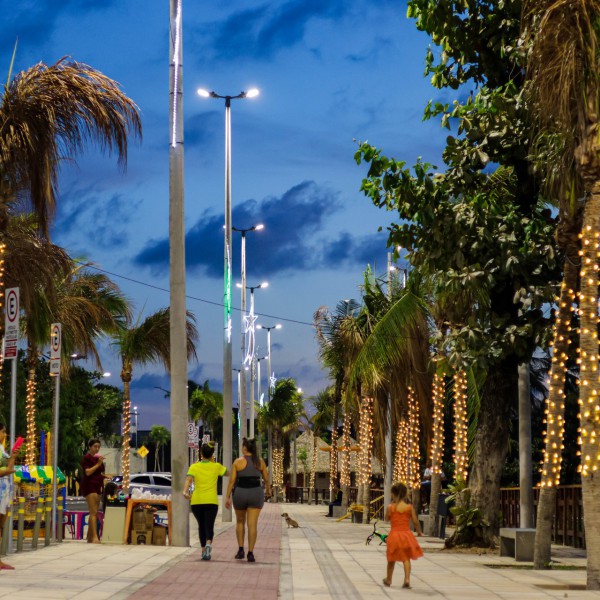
[(207, 551), (204, 554), (240, 553), (251, 557)]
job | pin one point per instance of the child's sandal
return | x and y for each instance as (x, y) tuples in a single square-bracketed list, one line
[(406, 585), (385, 582)]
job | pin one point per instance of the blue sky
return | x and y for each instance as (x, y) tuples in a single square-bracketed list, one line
[(330, 72)]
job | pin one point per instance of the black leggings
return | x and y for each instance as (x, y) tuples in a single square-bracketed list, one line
[(205, 515)]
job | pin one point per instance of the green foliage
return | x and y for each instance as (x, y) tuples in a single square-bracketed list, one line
[(206, 404), (468, 518)]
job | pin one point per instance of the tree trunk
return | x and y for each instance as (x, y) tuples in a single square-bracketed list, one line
[(491, 445), (126, 379), (313, 470), (555, 406), (30, 406), (333, 459), (525, 466), (588, 390), (436, 488), (294, 461)]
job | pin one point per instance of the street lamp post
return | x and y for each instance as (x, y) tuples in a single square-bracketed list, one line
[(245, 325), (387, 484), (135, 414), (269, 375), (227, 350), (249, 350)]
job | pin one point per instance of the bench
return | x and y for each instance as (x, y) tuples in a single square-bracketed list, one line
[(517, 543), (338, 511)]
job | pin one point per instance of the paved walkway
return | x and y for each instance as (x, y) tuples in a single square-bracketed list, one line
[(224, 576), (322, 560)]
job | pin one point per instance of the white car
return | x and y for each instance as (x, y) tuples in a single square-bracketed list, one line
[(155, 483)]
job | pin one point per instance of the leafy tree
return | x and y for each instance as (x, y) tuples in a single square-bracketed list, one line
[(160, 435), (207, 404)]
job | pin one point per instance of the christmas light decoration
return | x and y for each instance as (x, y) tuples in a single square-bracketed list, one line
[(125, 460), (555, 403), (460, 426), (333, 459), (345, 467), (437, 443), (401, 454), (278, 468), (313, 462), (413, 476), (30, 417), (589, 416), (366, 441)]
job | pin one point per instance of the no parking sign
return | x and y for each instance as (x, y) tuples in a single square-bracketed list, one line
[(55, 343), (11, 323)]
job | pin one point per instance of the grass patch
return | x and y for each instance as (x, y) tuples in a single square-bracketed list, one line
[(553, 567)]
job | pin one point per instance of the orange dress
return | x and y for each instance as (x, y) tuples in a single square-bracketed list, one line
[(401, 543)]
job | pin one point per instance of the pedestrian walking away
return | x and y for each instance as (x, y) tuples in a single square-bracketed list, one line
[(401, 543), (248, 495), (203, 475)]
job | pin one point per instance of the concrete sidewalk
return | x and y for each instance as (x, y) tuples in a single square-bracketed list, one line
[(321, 560)]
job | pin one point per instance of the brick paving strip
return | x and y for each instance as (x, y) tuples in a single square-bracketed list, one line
[(224, 577)]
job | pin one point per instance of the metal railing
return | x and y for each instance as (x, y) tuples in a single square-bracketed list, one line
[(567, 528)]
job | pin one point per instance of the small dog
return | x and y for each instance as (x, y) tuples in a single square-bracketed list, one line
[(290, 522)]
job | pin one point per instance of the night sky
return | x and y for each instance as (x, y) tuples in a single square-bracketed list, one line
[(330, 73)]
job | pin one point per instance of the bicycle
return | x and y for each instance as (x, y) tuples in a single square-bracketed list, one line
[(381, 535)]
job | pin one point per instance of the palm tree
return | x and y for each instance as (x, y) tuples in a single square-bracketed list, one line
[(160, 435), (206, 404), (324, 405), (87, 304), (47, 115), (563, 62), (141, 343)]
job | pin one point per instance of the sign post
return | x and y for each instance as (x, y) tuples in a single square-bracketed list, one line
[(55, 345), (11, 340)]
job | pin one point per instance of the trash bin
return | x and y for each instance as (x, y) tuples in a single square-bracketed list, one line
[(442, 514)]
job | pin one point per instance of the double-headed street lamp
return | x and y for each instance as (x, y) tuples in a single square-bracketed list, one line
[(227, 350), (249, 352), (258, 227)]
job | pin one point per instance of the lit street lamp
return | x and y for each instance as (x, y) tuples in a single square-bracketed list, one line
[(227, 350)]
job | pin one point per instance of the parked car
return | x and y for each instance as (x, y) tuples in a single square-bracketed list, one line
[(156, 483)]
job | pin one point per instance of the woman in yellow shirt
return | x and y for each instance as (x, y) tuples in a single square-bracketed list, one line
[(205, 502)]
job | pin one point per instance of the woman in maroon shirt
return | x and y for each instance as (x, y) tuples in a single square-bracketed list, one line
[(92, 482)]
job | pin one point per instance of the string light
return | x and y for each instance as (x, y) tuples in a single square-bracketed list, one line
[(30, 416), (345, 467), (437, 443), (413, 476), (589, 416), (126, 431), (460, 426), (366, 441), (2, 251), (555, 403), (333, 459), (278, 468), (313, 463), (401, 454)]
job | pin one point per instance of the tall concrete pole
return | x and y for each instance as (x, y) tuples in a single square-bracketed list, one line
[(526, 508), (179, 529)]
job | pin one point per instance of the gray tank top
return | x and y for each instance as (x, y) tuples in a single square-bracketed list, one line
[(250, 470)]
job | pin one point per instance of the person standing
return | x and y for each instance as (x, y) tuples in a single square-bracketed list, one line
[(92, 484), (248, 495), (7, 469), (401, 545), (205, 502)]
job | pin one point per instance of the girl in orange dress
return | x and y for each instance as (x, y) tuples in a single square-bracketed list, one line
[(401, 543)]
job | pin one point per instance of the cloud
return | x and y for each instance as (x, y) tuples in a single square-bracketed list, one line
[(34, 22), (261, 32), (100, 219), (291, 221)]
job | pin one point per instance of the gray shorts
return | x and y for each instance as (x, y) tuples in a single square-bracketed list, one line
[(244, 498)]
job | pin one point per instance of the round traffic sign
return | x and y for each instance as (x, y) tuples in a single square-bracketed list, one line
[(191, 429), (55, 338), (12, 306)]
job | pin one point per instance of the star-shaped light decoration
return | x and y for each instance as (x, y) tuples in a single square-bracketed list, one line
[(249, 321)]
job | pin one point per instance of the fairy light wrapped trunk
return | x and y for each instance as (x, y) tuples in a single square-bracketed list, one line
[(460, 426), (313, 468), (588, 391), (366, 445), (333, 462), (437, 448), (413, 475), (30, 410), (401, 454), (345, 459), (555, 415)]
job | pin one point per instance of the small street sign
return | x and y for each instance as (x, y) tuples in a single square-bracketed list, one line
[(192, 431), (55, 343), (11, 323), (143, 451)]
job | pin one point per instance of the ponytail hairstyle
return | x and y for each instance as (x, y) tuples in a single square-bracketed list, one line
[(208, 450), (250, 445)]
